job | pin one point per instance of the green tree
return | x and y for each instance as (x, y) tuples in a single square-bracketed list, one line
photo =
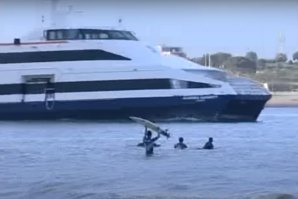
[(252, 56), (295, 56), (218, 59), (281, 57), (241, 65)]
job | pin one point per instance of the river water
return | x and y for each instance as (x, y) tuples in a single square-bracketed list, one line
[(88, 159)]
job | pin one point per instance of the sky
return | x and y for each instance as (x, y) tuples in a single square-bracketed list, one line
[(264, 26)]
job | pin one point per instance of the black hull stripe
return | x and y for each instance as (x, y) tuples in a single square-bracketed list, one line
[(93, 86), (59, 56)]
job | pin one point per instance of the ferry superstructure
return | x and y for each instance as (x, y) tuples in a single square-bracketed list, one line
[(108, 74)]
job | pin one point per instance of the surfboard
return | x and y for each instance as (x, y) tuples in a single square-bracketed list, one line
[(150, 125)]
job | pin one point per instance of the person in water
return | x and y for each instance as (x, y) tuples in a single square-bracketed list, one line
[(180, 144), (209, 144), (142, 144), (149, 143)]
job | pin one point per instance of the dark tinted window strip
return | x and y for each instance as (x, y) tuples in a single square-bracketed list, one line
[(89, 86), (56, 56), (79, 34), (197, 85)]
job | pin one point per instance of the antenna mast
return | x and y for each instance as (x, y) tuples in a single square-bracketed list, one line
[(281, 43), (54, 12)]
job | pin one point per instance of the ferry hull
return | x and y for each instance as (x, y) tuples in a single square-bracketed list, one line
[(217, 108), (211, 108)]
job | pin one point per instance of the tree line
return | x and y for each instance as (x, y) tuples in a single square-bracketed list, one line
[(242, 64)]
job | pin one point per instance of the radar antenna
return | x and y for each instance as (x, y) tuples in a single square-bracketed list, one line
[(120, 22)]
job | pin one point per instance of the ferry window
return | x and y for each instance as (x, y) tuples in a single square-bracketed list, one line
[(71, 34), (180, 84), (87, 36), (52, 35), (38, 78), (78, 34), (94, 36), (139, 84), (198, 85), (129, 35), (59, 35), (103, 36), (117, 35)]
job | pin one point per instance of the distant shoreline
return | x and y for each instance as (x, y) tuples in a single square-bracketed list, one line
[(283, 99), (281, 106)]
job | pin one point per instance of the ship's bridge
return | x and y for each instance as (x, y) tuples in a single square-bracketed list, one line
[(88, 34)]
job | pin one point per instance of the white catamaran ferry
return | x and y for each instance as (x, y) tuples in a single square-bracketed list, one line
[(106, 73)]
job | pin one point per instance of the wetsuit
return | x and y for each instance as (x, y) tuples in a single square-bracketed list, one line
[(149, 144), (208, 145), (180, 145), (142, 144)]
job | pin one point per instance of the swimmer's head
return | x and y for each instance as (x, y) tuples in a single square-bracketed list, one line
[(181, 139)]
